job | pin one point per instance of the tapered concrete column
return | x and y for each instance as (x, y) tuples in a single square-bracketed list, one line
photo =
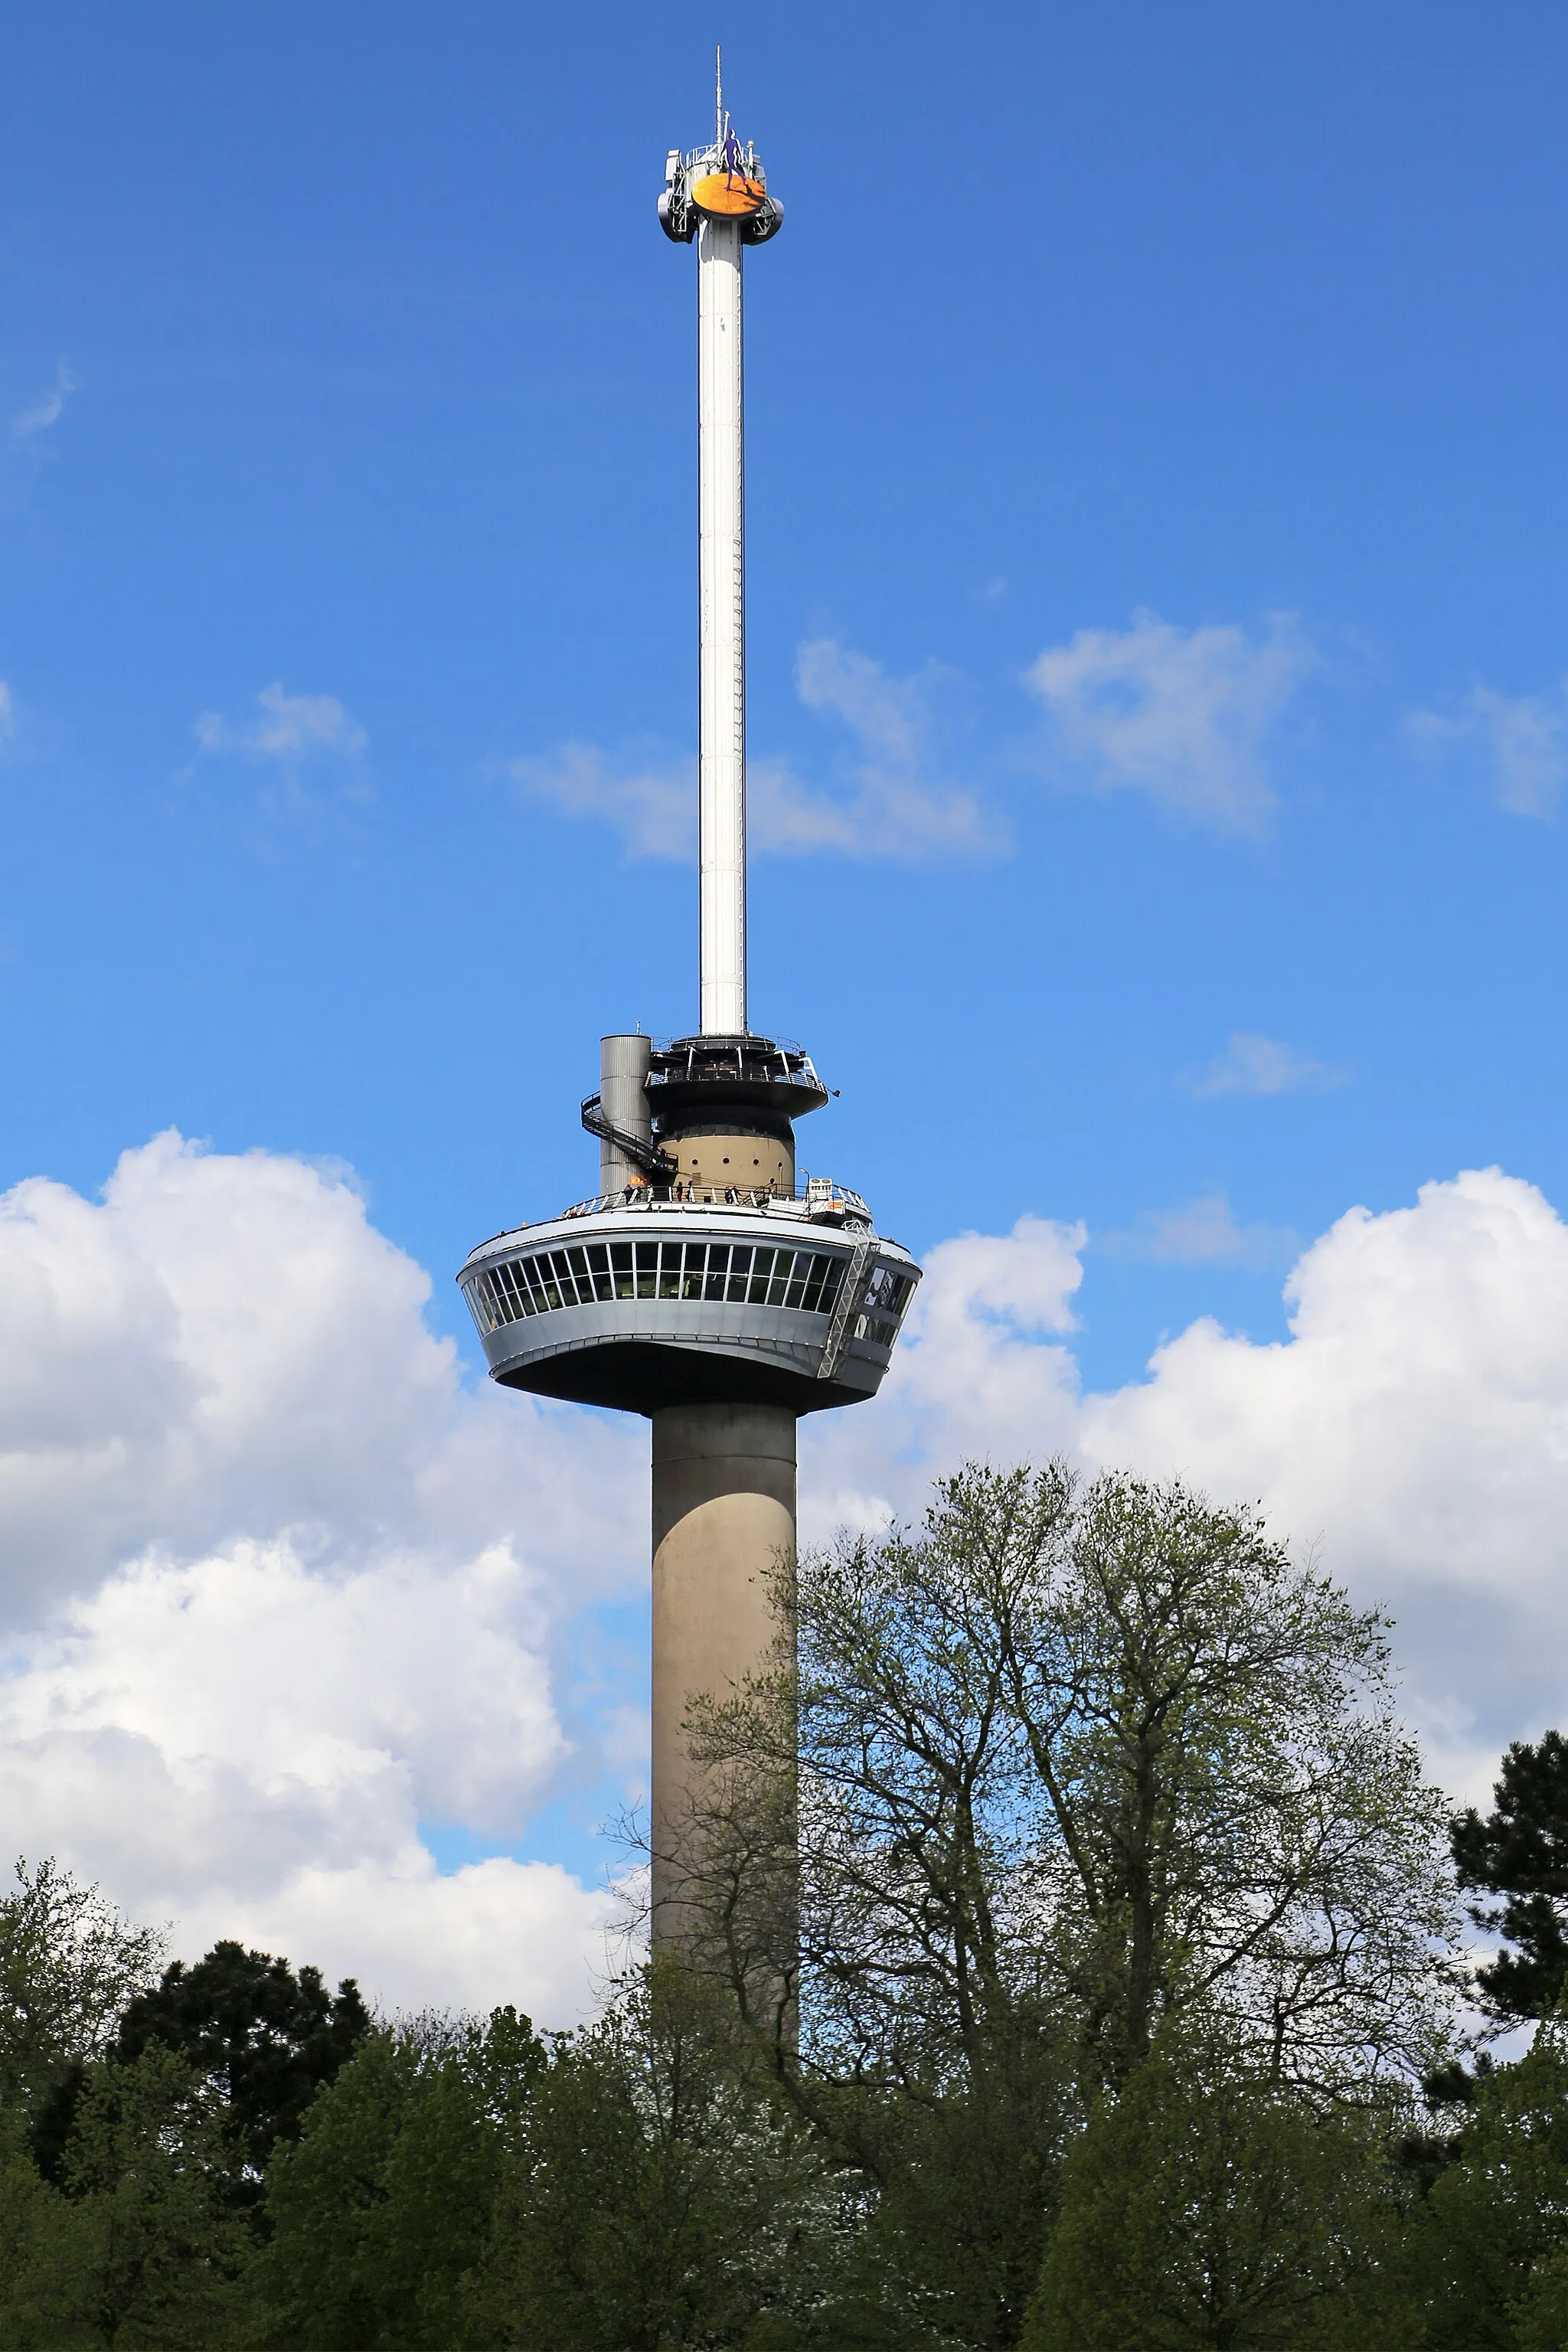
[(723, 1515)]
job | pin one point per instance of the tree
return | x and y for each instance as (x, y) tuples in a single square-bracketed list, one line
[(69, 1965), (1078, 1763), (657, 2195), (1099, 1753), (1205, 2208), (1486, 2261), (961, 2187), (139, 2248), (384, 2207), (45, 2259), (1520, 1850), (264, 2039), (268, 2038)]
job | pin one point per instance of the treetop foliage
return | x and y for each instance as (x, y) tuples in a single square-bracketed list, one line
[(1090, 1752), (1205, 2206), (69, 1967), (1520, 1850), (268, 2036)]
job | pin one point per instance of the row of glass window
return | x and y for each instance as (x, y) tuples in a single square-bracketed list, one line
[(590, 1271), (877, 1328), (886, 1293)]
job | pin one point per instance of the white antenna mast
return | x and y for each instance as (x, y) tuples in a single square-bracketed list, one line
[(722, 568), (717, 198)]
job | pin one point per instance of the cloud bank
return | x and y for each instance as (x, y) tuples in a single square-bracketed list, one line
[(286, 1595), (1413, 1430), (278, 1586)]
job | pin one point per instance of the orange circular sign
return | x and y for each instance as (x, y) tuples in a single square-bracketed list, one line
[(728, 196)]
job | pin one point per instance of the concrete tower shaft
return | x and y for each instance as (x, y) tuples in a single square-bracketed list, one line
[(721, 590), (723, 1527)]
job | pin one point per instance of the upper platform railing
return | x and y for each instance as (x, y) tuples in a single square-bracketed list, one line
[(815, 1197)]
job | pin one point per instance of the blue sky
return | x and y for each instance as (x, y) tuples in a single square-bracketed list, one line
[(1157, 498), (384, 391)]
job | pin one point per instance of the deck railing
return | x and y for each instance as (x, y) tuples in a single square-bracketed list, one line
[(814, 1197)]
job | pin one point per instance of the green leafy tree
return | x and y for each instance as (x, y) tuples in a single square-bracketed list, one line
[(1203, 2208), (1108, 1748), (385, 2205), (959, 2191), (48, 2249), (1520, 1850), (1095, 1751), (69, 1966), (658, 2195), (1103, 1753), (126, 2245), (1076, 1762), (266, 2038), (1486, 2258), (140, 2248)]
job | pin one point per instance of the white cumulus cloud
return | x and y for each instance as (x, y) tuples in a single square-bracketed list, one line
[(278, 1587), (1180, 714), (225, 1345), (1416, 1426), (1412, 1429), (285, 1592), (252, 1740)]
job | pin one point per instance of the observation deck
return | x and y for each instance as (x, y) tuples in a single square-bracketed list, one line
[(685, 1293)]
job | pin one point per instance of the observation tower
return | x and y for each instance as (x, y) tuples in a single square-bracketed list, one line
[(709, 1285)]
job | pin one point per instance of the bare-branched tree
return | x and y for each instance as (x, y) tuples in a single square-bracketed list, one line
[(1070, 1759)]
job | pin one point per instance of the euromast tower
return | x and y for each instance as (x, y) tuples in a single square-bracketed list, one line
[(704, 1286)]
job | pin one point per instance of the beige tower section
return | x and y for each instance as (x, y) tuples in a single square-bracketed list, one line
[(723, 1519), (720, 1162)]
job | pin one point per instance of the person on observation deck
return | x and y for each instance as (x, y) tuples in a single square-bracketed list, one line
[(734, 162)]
